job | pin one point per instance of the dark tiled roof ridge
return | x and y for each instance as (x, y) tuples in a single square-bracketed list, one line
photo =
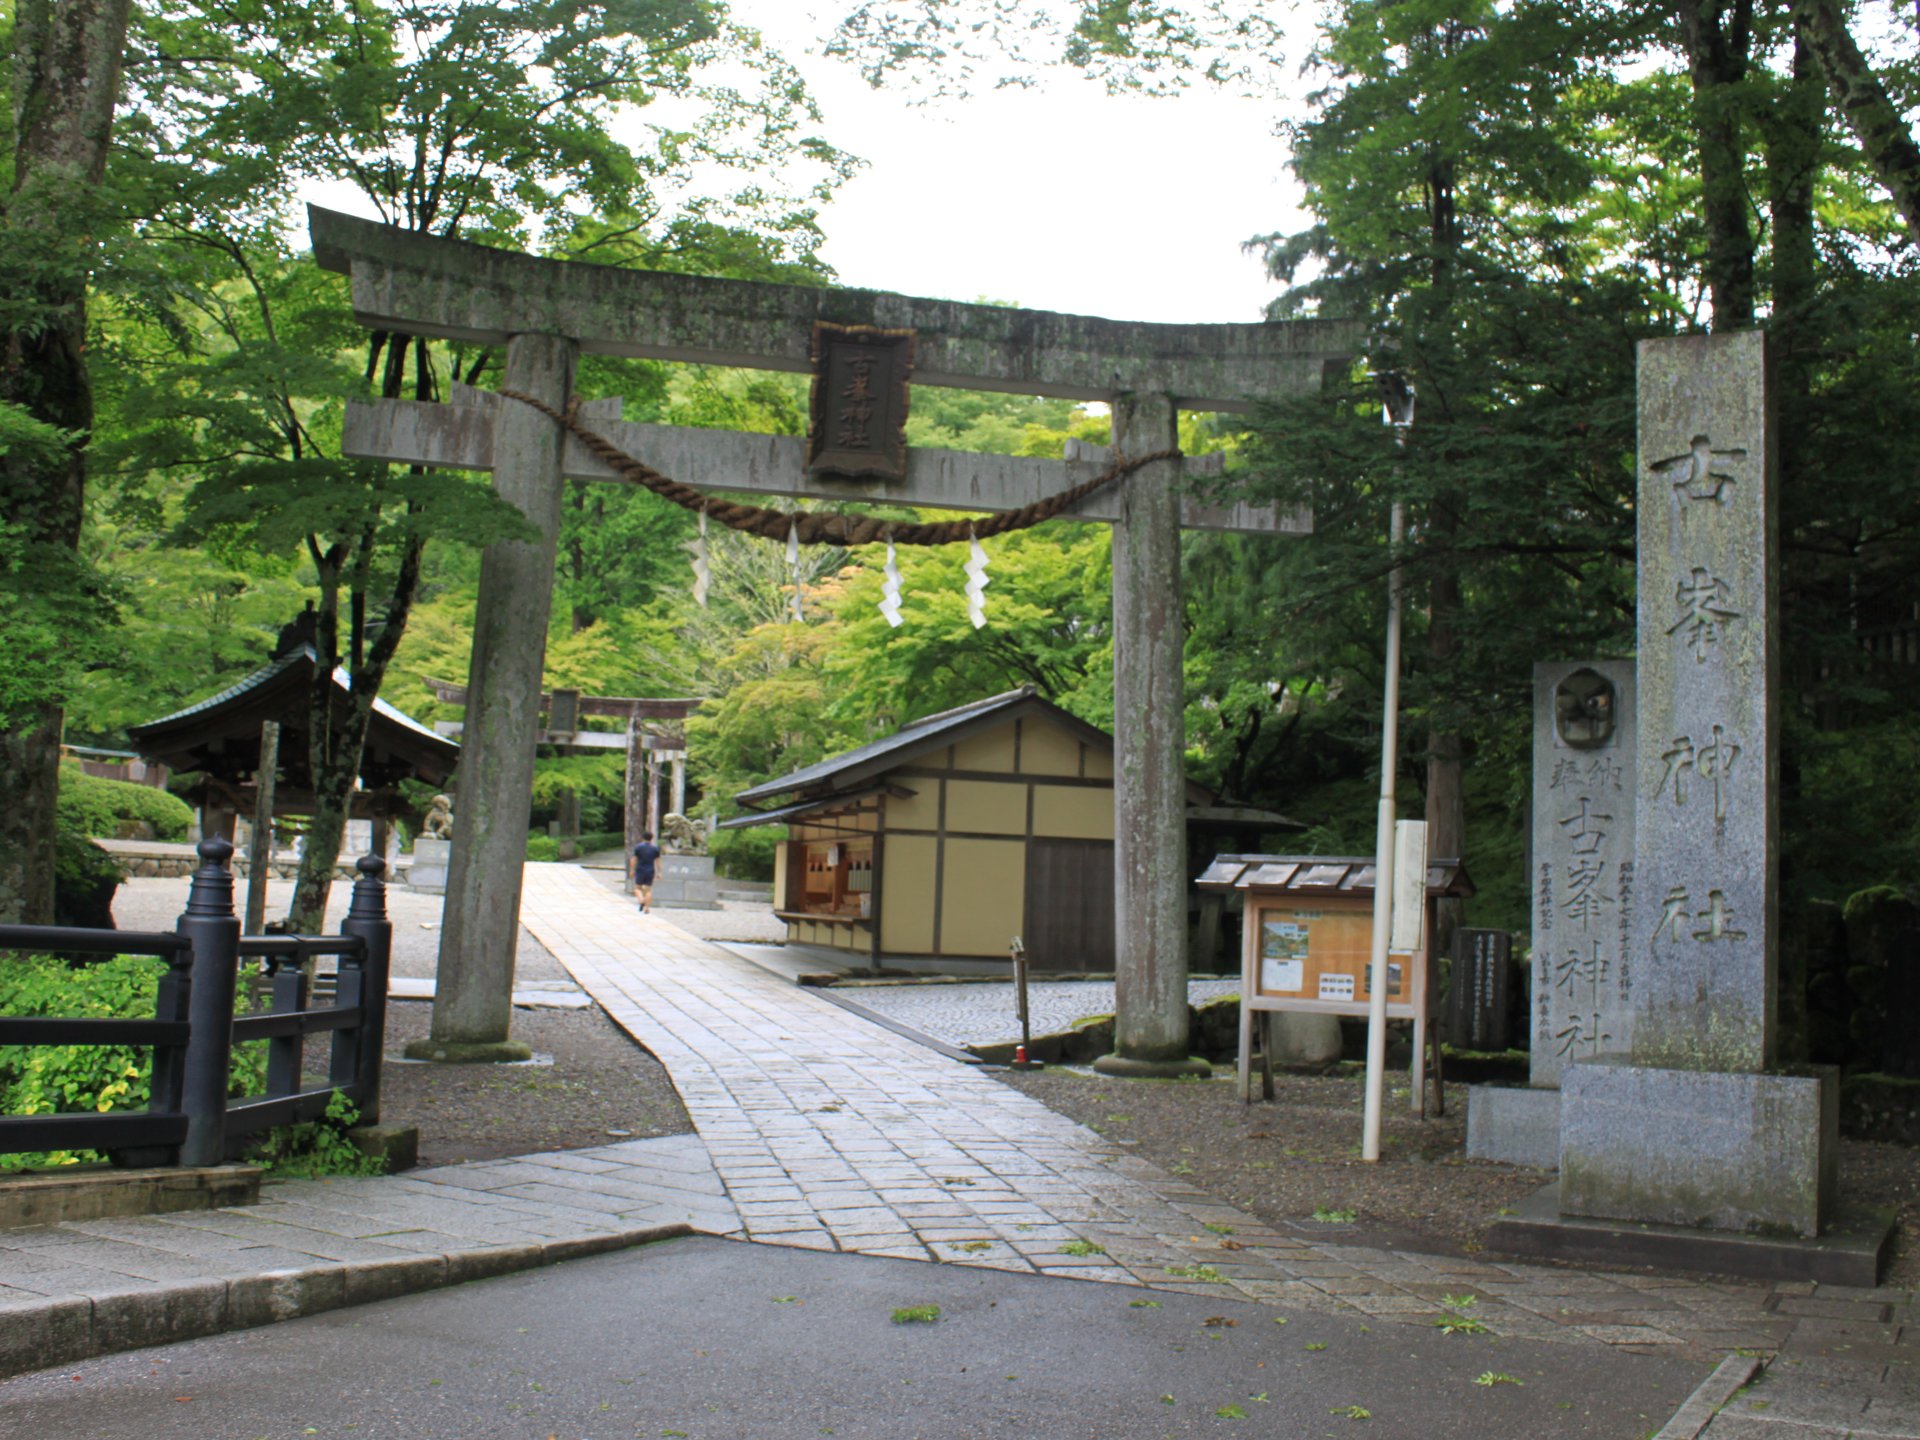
[(1020, 693), (273, 668)]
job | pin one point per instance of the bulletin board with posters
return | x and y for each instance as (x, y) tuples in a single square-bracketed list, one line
[(1317, 955), (1308, 941)]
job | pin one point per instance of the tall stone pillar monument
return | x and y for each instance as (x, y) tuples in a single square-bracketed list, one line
[(1695, 1125)]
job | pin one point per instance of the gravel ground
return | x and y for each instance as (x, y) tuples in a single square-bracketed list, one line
[(1301, 1154), (588, 1085)]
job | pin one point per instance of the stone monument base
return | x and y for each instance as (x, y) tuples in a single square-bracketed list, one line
[(686, 882), (428, 870), (469, 1052), (1515, 1125), (1851, 1251), (1126, 1067), (1301, 1038), (1750, 1153)]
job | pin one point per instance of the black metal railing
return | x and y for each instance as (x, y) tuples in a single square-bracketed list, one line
[(189, 1119)]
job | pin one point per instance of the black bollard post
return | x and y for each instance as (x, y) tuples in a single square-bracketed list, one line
[(169, 1061), (363, 982), (210, 927)]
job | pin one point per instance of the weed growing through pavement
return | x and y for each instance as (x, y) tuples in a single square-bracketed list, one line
[(1231, 1412), (1204, 1273), (1327, 1215), (1082, 1247), (1455, 1320), (916, 1315), (1352, 1412), (1494, 1377)]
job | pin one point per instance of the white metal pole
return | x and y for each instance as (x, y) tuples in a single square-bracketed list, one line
[(1383, 860), (1396, 411)]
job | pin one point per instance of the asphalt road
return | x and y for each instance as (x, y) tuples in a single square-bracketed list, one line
[(714, 1339)]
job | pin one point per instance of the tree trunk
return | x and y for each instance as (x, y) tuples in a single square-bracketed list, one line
[(1446, 791), (66, 80), (1717, 37), (338, 735), (1884, 136)]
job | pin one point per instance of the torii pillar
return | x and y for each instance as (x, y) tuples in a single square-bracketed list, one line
[(420, 285), (481, 922)]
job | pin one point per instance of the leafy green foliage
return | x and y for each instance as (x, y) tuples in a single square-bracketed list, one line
[(319, 1147), (1456, 1317), (59, 1079), (95, 805), (541, 847)]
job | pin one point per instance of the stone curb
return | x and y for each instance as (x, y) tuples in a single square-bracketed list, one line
[(1705, 1402), (66, 1329)]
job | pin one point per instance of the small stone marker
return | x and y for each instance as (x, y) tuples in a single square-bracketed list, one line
[(1479, 988), (1583, 829)]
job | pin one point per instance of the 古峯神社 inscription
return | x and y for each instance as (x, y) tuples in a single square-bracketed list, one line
[(1583, 826)]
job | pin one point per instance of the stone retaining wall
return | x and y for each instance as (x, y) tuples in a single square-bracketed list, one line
[(181, 866)]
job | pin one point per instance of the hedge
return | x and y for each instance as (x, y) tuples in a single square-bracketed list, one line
[(97, 805)]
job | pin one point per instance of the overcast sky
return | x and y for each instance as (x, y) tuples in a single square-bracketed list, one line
[(1064, 199), (1057, 198)]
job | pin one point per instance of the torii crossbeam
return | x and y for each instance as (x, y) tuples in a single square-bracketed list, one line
[(546, 313)]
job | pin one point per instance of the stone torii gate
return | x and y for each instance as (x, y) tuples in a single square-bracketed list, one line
[(546, 313), (648, 747)]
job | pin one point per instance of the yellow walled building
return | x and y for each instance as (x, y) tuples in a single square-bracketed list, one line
[(935, 847)]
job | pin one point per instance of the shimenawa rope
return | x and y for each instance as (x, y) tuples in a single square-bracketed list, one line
[(827, 528)]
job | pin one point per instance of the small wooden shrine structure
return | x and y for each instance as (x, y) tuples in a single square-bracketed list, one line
[(219, 738), (931, 849)]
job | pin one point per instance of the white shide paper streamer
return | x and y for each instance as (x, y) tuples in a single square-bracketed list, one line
[(890, 591), (977, 581)]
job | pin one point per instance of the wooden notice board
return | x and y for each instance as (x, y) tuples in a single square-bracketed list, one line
[(1309, 943), (1316, 954)]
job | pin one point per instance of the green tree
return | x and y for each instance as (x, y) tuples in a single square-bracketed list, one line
[(452, 119), (64, 82)]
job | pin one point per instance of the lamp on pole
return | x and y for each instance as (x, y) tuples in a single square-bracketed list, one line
[(1396, 393)]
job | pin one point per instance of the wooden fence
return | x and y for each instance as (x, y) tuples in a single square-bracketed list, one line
[(190, 1119)]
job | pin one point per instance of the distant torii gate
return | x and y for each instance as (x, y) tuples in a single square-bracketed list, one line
[(547, 313), (647, 746)]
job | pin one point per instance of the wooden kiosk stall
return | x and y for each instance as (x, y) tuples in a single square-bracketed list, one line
[(933, 848), (1307, 944)]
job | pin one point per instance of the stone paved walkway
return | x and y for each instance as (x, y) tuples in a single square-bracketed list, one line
[(985, 1012), (833, 1133)]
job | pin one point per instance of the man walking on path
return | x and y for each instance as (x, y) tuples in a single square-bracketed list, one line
[(644, 856)]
